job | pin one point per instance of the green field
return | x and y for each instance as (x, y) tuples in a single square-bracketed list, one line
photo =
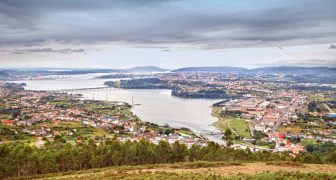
[(81, 130), (318, 98), (306, 142), (14, 134), (238, 125), (60, 124)]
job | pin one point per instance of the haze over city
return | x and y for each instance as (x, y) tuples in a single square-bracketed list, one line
[(169, 34)]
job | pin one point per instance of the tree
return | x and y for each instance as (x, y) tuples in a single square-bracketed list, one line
[(194, 153), (331, 156), (164, 152), (59, 139), (180, 152), (18, 159), (15, 114), (228, 137), (258, 135)]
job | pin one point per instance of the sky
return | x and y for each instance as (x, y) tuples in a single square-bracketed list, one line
[(167, 33)]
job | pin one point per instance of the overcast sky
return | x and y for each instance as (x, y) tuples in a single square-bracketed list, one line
[(167, 33)]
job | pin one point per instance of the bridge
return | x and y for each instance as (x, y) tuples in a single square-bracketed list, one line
[(213, 133), (82, 89)]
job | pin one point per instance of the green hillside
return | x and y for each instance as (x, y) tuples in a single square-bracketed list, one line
[(204, 170)]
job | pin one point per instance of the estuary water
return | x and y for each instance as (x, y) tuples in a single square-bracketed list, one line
[(152, 105)]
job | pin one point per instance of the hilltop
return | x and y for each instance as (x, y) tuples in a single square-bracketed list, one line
[(147, 69), (289, 70), (217, 69), (204, 170)]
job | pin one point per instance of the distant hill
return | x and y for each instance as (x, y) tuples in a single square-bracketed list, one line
[(147, 69), (73, 71), (292, 70), (2, 73), (219, 69), (289, 70)]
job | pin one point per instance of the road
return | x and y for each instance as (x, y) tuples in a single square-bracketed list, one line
[(275, 127), (327, 107)]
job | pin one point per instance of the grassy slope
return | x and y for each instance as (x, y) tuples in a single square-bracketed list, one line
[(240, 126), (204, 170)]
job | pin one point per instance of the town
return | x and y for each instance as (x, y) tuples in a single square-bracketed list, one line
[(40, 117), (264, 112), (277, 113), (269, 112)]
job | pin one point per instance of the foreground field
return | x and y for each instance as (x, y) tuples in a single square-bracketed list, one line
[(205, 170)]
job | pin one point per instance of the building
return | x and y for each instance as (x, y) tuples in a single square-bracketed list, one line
[(7, 122)]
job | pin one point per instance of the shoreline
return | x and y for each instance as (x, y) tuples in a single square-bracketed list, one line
[(201, 135), (198, 135), (197, 132)]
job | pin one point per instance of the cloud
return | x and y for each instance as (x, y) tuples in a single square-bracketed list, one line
[(200, 24), (332, 46), (49, 50)]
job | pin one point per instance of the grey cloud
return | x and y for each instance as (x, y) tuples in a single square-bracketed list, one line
[(332, 46), (155, 22), (49, 50)]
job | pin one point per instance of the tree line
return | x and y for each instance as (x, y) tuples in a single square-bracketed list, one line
[(18, 159)]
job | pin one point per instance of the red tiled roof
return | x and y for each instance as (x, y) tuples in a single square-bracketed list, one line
[(7, 122)]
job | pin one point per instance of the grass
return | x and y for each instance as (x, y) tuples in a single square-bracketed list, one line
[(186, 132), (6, 126), (238, 125), (98, 107), (60, 124), (318, 98), (82, 130), (300, 127), (204, 170), (293, 129), (306, 142)]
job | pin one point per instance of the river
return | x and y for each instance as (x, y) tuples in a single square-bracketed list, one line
[(152, 105)]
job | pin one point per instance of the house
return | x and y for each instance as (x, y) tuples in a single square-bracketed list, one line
[(264, 104), (271, 117), (172, 139), (296, 149), (258, 126), (7, 122)]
